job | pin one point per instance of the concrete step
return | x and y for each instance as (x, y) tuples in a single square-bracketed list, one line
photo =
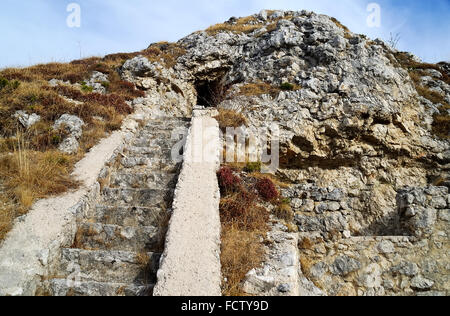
[(151, 162), (135, 197), (60, 287), (155, 180), (97, 236), (110, 266), (167, 124), (128, 216), (163, 140), (143, 151)]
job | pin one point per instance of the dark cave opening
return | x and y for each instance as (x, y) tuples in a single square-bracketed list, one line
[(210, 93)]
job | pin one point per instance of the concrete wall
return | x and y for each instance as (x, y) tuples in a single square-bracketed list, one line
[(190, 265)]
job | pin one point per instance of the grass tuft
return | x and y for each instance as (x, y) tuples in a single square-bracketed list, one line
[(230, 118), (28, 175), (243, 25), (253, 167), (286, 86), (244, 227), (266, 190), (441, 123), (259, 88)]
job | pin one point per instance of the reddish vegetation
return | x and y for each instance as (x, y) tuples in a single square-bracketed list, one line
[(228, 182), (244, 226), (239, 206), (266, 189)]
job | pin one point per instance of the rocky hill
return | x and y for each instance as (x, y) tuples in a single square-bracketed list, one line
[(365, 148)]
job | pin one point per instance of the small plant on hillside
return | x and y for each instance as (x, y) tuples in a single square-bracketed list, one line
[(286, 86), (230, 118), (228, 182), (284, 210), (266, 189), (5, 83), (86, 88), (238, 206), (393, 40), (253, 167)]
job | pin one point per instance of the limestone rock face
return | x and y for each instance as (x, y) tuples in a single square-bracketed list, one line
[(166, 90), (73, 125), (27, 120), (354, 119), (98, 81), (364, 143)]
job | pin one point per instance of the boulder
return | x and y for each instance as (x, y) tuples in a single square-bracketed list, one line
[(73, 125), (27, 120)]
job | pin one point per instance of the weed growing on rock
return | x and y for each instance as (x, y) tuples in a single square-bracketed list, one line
[(441, 124), (230, 118), (244, 227), (228, 181), (253, 167), (266, 189), (286, 86)]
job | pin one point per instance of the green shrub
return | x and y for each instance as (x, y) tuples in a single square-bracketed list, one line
[(86, 88), (5, 83), (253, 167), (14, 84), (286, 86), (105, 84)]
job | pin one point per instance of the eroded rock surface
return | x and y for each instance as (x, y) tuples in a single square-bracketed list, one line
[(358, 132)]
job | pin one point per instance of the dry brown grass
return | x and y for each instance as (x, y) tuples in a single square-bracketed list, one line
[(241, 252), (340, 25), (38, 170), (275, 179), (244, 227), (246, 25), (243, 25), (242, 210), (245, 224), (284, 212), (441, 124), (28, 175), (405, 61), (259, 88), (230, 118), (165, 53), (7, 215), (142, 258)]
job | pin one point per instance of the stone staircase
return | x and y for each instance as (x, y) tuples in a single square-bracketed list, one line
[(118, 245)]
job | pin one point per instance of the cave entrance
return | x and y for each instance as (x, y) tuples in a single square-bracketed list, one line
[(210, 93)]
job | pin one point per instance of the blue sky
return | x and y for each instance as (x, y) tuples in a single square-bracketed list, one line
[(35, 31)]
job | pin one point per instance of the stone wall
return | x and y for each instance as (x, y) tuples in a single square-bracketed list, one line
[(415, 262)]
